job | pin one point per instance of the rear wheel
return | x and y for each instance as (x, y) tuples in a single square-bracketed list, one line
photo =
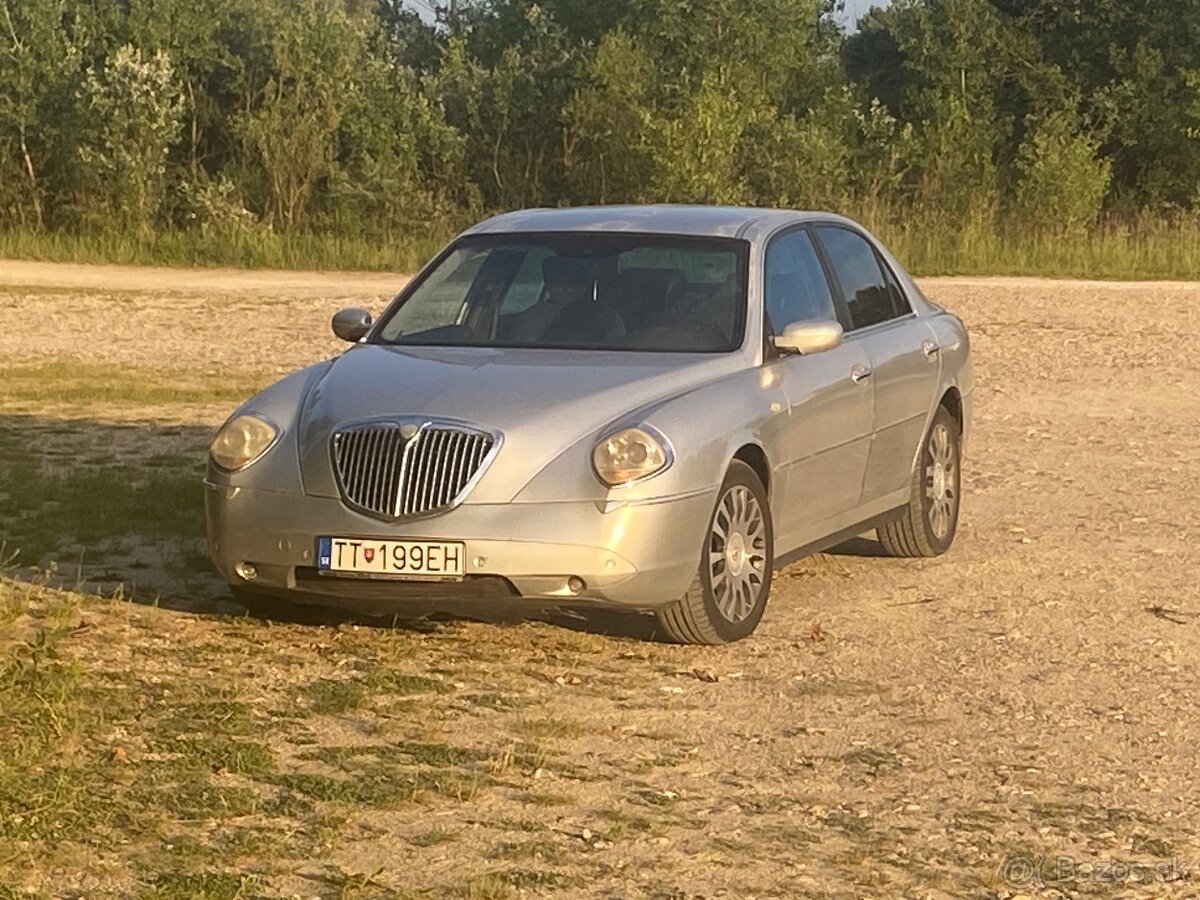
[(729, 594), (930, 520)]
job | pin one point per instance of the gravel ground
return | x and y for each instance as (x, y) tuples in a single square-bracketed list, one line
[(915, 728)]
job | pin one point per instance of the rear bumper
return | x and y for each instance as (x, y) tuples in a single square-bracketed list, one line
[(640, 556)]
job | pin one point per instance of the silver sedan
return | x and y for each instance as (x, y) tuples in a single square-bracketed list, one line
[(646, 407)]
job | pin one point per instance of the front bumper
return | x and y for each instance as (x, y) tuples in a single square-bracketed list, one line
[(639, 556)]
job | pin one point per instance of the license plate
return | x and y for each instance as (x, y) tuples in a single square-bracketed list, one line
[(369, 556)]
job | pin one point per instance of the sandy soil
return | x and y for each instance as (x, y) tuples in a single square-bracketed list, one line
[(895, 727), (259, 283)]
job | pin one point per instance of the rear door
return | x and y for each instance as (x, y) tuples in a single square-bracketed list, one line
[(903, 354), (830, 416)]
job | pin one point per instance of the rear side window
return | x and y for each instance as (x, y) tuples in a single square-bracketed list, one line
[(871, 296), (796, 289)]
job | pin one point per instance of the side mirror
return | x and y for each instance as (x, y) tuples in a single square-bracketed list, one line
[(351, 324), (808, 337)]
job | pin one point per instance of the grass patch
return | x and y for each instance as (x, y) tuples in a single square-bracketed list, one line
[(500, 885), (413, 752), (50, 790), (219, 716), (365, 791), (393, 682), (331, 697), (334, 696), (201, 886), (221, 754), (1148, 247), (195, 799), (376, 783), (46, 506), (486, 887), (259, 249), (550, 728), (82, 383)]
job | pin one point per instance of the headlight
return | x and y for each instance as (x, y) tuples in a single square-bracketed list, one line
[(241, 441), (630, 455)]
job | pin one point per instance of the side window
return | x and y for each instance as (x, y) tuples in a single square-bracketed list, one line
[(795, 286), (899, 302), (869, 295)]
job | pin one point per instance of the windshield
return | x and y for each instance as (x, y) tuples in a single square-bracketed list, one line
[(581, 290)]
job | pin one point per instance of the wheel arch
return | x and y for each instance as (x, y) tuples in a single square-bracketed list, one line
[(952, 401), (755, 457), (950, 398)]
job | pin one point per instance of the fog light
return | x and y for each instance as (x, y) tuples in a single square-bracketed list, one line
[(246, 571), (575, 584)]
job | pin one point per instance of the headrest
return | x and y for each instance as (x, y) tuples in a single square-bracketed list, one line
[(565, 271)]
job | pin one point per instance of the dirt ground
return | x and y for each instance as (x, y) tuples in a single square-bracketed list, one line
[(1018, 717)]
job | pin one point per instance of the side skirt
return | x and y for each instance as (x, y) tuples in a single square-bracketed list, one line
[(838, 537)]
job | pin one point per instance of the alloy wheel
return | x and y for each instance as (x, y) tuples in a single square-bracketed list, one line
[(737, 554), (941, 482)]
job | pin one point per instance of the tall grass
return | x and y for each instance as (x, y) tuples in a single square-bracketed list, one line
[(1146, 249), (258, 249), (1150, 250)]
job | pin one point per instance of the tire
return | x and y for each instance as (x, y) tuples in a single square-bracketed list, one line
[(930, 520), (725, 603)]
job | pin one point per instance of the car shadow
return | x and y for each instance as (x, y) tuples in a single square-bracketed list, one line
[(427, 617), (116, 509), (858, 546)]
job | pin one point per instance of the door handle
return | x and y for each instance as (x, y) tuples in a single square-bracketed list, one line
[(860, 373), (931, 349)]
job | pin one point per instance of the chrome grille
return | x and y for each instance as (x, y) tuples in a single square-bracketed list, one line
[(394, 470)]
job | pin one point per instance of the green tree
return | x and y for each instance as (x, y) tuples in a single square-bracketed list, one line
[(193, 35), (507, 101), (38, 69), (290, 122), (399, 165), (1063, 181), (803, 161), (606, 154), (134, 106), (781, 52), (696, 151), (1135, 71)]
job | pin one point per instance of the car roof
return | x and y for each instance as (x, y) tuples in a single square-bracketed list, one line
[(711, 221)]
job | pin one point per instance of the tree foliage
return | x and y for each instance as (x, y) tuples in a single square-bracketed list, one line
[(361, 117), (132, 111)]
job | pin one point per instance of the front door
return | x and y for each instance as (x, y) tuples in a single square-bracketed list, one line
[(831, 405)]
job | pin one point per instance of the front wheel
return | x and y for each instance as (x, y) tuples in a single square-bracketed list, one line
[(930, 520), (729, 594)]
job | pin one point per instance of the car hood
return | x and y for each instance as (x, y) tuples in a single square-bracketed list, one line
[(542, 401)]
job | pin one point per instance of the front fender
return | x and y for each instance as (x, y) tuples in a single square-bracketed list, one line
[(279, 469), (705, 427)]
